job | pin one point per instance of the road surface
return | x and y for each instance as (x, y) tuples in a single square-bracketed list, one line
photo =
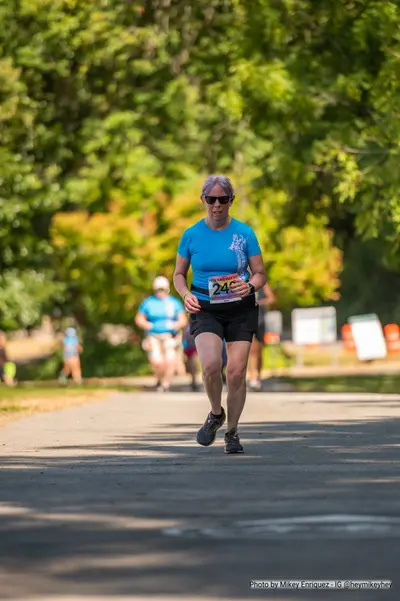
[(115, 501)]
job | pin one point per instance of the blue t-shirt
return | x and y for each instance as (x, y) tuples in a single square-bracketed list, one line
[(218, 252), (161, 312), (71, 344)]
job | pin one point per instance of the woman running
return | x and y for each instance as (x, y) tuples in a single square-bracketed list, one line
[(221, 302)]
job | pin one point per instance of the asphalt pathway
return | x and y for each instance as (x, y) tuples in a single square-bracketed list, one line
[(114, 500)]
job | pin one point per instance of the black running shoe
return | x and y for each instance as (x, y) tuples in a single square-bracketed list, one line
[(232, 442), (207, 433)]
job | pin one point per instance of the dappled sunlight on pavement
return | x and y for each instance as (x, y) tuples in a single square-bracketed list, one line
[(115, 500)]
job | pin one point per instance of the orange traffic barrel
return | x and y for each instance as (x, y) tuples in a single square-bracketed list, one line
[(392, 331), (392, 336), (271, 338), (347, 337)]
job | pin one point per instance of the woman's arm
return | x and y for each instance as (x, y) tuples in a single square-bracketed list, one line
[(190, 301), (258, 277), (180, 275)]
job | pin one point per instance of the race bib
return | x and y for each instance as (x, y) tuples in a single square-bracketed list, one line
[(219, 288)]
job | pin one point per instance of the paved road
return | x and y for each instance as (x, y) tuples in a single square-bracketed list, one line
[(115, 501)]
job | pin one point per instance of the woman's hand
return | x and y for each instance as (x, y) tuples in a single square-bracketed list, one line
[(191, 303), (241, 288)]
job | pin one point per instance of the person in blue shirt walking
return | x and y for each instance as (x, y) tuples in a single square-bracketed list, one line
[(221, 302), (162, 317)]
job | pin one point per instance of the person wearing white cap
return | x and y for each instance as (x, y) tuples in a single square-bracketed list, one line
[(162, 317)]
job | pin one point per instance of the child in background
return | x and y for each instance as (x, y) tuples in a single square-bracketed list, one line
[(72, 363)]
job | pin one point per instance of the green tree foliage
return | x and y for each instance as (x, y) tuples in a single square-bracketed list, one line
[(303, 264), (25, 296), (328, 104), (108, 260), (110, 112)]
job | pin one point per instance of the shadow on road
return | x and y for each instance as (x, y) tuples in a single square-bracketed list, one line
[(90, 520)]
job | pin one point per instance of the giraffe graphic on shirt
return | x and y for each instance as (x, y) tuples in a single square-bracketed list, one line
[(238, 245)]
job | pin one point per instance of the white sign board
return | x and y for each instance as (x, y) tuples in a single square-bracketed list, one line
[(314, 326), (368, 337), (273, 322)]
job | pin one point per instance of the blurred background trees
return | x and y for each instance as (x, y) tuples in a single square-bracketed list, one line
[(111, 113)]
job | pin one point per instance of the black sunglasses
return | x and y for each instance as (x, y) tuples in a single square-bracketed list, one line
[(223, 200)]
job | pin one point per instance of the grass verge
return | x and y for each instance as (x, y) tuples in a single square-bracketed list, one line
[(384, 384), (21, 402)]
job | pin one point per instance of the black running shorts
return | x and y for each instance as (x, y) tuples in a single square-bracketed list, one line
[(230, 321)]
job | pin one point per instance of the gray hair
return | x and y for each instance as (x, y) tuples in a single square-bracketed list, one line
[(221, 180)]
